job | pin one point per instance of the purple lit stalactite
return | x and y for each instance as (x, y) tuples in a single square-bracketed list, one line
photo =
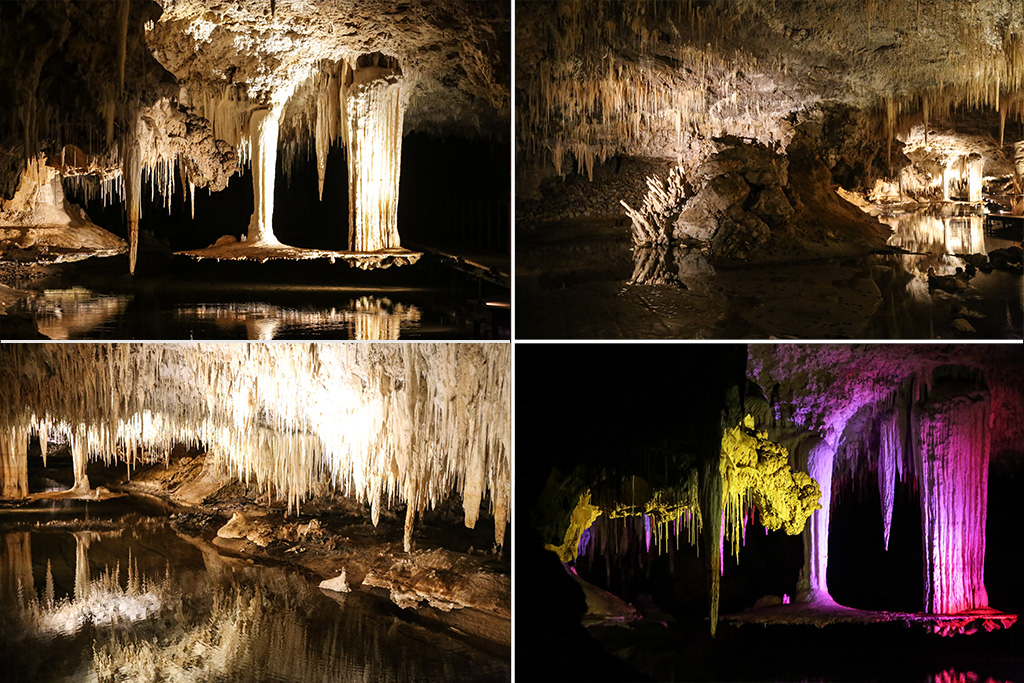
[(890, 465), (647, 531), (584, 542), (952, 446), (817, 457)]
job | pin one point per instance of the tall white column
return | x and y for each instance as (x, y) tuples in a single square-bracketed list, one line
[(263, 133), (818, 458)]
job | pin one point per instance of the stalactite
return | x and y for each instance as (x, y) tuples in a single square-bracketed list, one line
[(952, 451), (80, 457), (374, 109), (14, 462), (890, 456), (714, 503), (131, 154), (378, 422), (263, 134), (123, 11)]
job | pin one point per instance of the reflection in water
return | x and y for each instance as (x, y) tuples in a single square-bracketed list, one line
[(143, 604), (955, 676), (74, 312), (363, 318), (923, 232), (653, 265), (663, 265)]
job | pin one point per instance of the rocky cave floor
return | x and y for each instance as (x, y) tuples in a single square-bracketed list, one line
[(454, 579), (572, 282)]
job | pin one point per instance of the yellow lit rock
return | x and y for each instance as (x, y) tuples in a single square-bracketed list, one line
[(583, 515)]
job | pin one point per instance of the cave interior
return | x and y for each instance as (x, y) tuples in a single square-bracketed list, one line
[(255, 511), (739, 169), (202, 169), (770, 512)]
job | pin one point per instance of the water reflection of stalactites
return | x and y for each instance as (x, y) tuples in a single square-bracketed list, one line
[(16, 565), (363, 318), (266, 624), (146, 606), (73, 313), (923, 232), (665, 265), (101, 601), (907, 308)]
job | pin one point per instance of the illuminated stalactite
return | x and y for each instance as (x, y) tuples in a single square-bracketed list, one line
[(80, 457), (374, 110), (328, 120), (263, 133), (387, 424), (952, 448), (132, 171), (14, 462), (714, 503), (890, 465)]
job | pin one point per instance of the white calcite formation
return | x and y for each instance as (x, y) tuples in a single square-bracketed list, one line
[(373, 138), (386, 424), (263, 132), (190, 91)]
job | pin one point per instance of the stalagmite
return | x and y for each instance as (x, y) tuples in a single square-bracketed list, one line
[(263, 133), (952, 449), (375, 108)]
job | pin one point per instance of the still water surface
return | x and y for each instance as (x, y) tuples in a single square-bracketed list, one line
[(134, 600)]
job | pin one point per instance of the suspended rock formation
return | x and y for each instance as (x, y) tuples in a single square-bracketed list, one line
[(187, 93), (385, 424), (713, 503)]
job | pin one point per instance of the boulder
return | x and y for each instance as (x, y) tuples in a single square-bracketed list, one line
[(699, 218), (339, 584), (964, 327), (737, 239), (772, 206), (1010, 258)]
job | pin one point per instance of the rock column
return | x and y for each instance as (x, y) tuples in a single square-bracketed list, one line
[(373, 137), (952, 448)]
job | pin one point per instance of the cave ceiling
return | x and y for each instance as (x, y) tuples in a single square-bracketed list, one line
[(821, 388), (454, 52), (74, 76), (655, 79)]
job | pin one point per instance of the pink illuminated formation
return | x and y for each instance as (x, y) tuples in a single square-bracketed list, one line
[(953, 451)]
